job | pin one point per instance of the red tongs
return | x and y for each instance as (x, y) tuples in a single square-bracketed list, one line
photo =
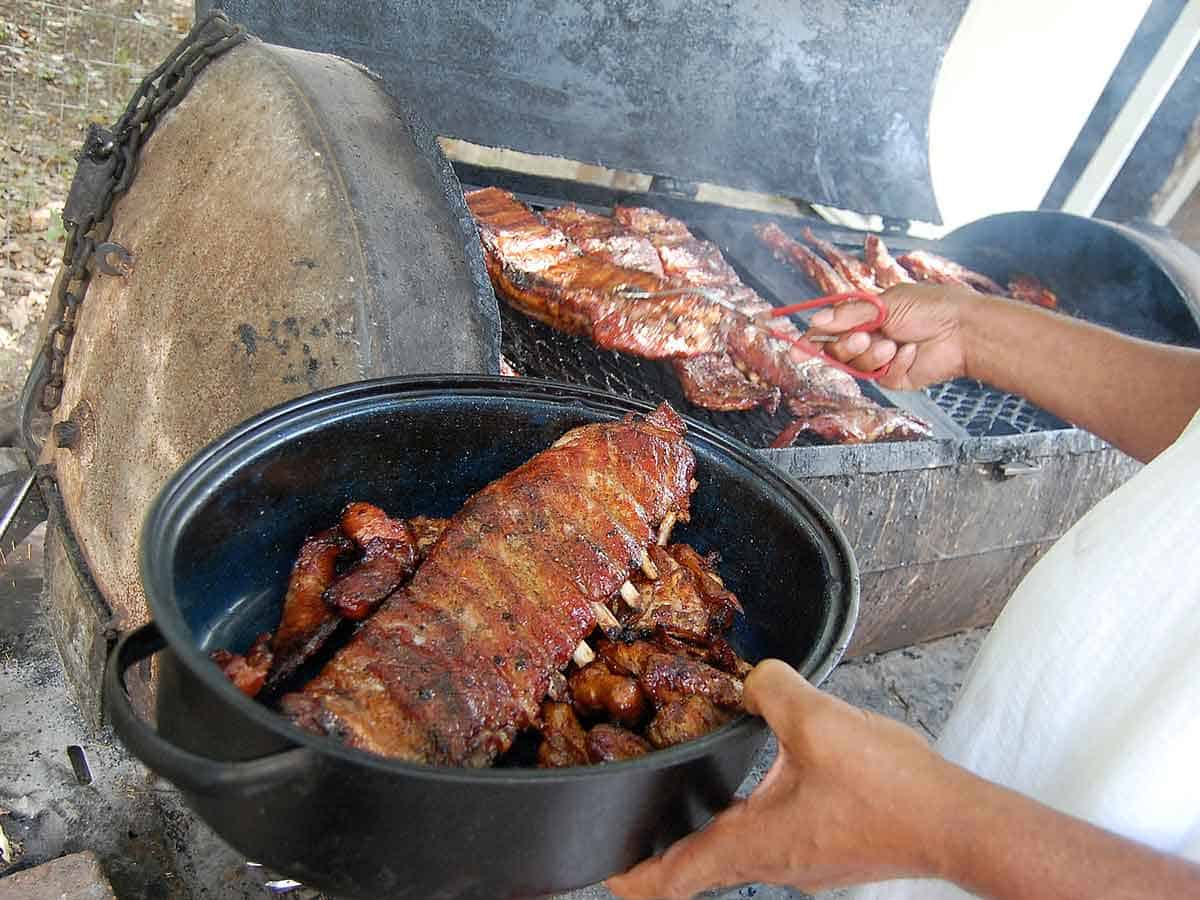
[(810, 347), (805, 344)]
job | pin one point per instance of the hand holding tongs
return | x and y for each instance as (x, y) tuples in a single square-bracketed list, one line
[(807, 345)]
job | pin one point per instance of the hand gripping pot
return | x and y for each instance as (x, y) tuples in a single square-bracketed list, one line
[(216, 550)]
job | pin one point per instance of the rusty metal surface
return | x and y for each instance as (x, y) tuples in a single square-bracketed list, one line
[(940, 549), (824, 101), (262, 273)]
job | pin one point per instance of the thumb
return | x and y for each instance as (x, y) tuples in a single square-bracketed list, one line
[(843, 317), (780, 694), (703, 860)]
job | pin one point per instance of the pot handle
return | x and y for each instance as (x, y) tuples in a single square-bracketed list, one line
[(189, 771)]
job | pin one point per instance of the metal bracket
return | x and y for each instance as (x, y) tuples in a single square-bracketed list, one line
[(101, 263), (673, 187), (25, 508), (1005, 469)]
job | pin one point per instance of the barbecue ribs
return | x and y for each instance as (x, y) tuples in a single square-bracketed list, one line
[(540, 272), (926, 266), (888, 273), (455, 663), (711, 380)]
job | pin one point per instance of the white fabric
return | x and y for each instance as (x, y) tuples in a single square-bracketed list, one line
[(1086, 694)]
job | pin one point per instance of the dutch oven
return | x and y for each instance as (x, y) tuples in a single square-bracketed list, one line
[(216, 551)]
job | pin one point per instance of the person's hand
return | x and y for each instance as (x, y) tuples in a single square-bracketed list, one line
[(847, 801), (922, 337)]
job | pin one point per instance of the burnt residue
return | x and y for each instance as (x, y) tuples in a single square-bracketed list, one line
[(808, 100), (249, 338)]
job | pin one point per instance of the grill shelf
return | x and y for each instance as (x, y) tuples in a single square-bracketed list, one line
[(984, 411)]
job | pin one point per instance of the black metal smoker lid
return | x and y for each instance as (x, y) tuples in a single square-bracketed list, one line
[(828, 102)]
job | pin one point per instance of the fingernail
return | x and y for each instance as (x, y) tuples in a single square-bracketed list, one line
[(858, 342), (824, 317)]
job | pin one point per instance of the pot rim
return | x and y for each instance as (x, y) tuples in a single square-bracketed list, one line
[(277, 425)]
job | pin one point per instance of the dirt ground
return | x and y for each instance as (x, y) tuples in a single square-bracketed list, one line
[(62, 65)]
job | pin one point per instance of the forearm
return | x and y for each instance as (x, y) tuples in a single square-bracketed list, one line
[(1000, 844), (1135, 394)]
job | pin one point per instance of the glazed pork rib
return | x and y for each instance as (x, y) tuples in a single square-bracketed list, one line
[(710, 380), (795, 254), (453, 665), (929, 267), (600, 236), (546, 276)]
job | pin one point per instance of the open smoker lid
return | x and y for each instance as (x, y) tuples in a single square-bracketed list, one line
[(808, 101)]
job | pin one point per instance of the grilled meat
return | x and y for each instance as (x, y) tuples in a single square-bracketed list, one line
[(852, 269), (390, 556), (713, 381), (596, 689), (426, 531), (307, 621), (685, 719), (750, 348), (506, 368), (611, 743), (602, 237), (926, 266), (694, 261), (513, 235), (1029, 289), (717, 652), (888, 273), (249, 672), (454, 664), (542, 274), (771, 359), (709, 380), (683, 602), (721, 602), (658, 328), (667, 676), (846, 421), (564, 742), (644, 220), (795, 254)]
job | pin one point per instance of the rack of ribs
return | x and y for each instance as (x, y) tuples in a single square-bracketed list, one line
[(546, 276), (457, 661)]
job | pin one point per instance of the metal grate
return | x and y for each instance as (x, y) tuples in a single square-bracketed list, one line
[(983, 411), (538, 351)]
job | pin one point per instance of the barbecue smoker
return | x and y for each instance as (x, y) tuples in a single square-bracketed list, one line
[(293, 226)]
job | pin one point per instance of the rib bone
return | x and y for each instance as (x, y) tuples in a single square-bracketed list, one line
[(606, 620), (583, 654), (648, 568), (664, 529), (630, 595)]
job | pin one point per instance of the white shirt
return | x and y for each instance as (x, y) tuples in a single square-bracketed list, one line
[(1086, 693)]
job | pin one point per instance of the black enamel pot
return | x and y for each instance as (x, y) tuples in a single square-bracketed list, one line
[(216, 551)]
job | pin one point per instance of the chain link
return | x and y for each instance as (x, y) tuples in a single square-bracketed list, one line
[(107, 165)]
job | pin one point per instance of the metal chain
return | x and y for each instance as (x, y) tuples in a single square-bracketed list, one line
[(107, 165)]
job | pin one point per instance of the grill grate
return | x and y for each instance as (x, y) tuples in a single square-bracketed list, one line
[(538, 351), (984, 411)]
